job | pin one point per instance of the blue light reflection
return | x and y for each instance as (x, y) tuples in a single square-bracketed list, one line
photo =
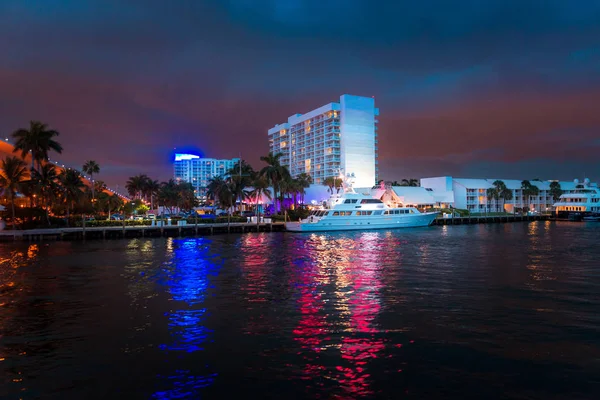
[(186, 277)]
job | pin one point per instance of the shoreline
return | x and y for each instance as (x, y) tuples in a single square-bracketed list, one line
[(127, 232)]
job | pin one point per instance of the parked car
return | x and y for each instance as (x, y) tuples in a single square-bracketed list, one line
[(116, 217)]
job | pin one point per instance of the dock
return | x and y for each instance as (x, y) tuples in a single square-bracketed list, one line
[(482, 219), (140, 231)]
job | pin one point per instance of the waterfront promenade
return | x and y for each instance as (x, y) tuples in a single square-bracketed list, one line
[(114, 232)]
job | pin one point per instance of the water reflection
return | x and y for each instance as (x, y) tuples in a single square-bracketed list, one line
[(186, 275), (347, 268)]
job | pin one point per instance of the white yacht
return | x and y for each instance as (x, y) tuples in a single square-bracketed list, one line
[(580, 202), (353, 211)]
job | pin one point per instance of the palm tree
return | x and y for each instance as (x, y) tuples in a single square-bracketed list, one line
[(500, 188), (72, 188), (13, 173), (491, 195), (507, 195), (91, 167), (135, 185), (528, 190), (151, 189), (275, 173), (260, 189), (114, 202), (220, 191), (38, 140), (214, 187), (46, 181), (555, 191), (339, 184), (304, 181), (330, 183), (241, 175)]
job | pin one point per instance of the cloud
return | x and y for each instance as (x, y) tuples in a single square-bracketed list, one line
[(458, 84)]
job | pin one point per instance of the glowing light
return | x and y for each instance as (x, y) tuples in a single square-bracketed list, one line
[(185, 157)]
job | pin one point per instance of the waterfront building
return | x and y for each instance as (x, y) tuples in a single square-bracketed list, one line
[(410, 196), (332, 139), (471, 194), (198, 170)]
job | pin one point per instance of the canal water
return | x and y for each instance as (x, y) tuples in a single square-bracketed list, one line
[(483, 311)]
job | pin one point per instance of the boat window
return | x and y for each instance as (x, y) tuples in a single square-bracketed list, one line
[(354, 201), (336, 213), (347, 201), (370, 201), (377, 212), (386, 213)]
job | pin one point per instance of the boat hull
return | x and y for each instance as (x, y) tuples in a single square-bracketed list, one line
[(363, 223)]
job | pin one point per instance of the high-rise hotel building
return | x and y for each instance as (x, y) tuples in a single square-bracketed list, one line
[(198, 171), (332, 139)]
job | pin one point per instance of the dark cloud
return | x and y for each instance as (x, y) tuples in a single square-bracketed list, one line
[(507, 84)]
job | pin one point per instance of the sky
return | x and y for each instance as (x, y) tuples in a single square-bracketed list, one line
[(506, 89)]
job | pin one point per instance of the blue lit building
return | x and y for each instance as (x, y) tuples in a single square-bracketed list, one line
[(198, 171), (332, 139)]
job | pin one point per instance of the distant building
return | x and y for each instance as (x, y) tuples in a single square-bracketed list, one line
[(332, 139), (198, 171), (471, 194)]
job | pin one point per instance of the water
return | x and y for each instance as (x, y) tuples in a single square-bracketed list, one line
[(481, 311)]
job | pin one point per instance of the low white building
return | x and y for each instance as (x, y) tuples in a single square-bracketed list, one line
[(471, 194), (410, 196)]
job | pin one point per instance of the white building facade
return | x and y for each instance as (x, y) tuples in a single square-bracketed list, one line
[(332, 139), (471, 194), (198, 171)]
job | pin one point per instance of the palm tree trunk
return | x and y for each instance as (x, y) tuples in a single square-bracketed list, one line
[(12, 205), (68, 214), (47, 211), (92, 179)]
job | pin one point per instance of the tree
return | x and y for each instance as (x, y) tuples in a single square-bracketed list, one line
[(304, 181), (275, 173), (91, 167), (334, 182), (151, 189), (500, 188), (555, 191), (330, 183), (168, 195), (71, 187), (46, 183), (38, 140), (492, 194), (214, 188), (220, 191), (13, 174), (507, 195), (528, 190), (186, 198), (260, 189), (135, 185), (241, 176), (99, 186), (114, 202)]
